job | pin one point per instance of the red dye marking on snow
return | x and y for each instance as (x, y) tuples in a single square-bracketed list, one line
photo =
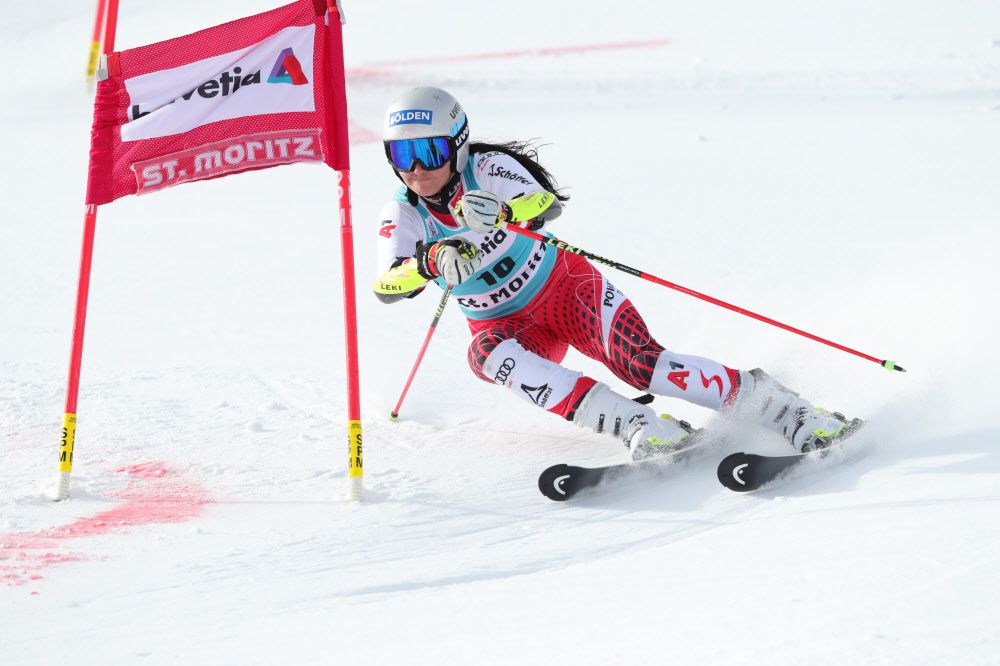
[(366, 72), (155, 494), (150, 470), (358, 134), (554, 51)]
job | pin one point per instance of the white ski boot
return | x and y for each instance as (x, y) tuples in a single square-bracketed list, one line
[(637, 425), (764, 401)]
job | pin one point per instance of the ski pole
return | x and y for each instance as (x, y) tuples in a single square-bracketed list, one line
[(555, 242), (430, 333)]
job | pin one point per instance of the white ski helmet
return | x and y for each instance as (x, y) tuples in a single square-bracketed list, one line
[(425, 113)]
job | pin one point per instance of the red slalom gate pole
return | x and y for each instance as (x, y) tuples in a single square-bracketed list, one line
[(355, 463), (355, 467), (95, 41), (80, 317), (427, 339), (555, 242), (76, 355)]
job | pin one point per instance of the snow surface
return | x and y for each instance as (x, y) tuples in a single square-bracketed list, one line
[(832, 165)]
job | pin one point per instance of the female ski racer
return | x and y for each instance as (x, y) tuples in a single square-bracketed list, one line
[(526, 301)]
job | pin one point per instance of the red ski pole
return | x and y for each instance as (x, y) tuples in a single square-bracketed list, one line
[(430, 333), (555, 242)]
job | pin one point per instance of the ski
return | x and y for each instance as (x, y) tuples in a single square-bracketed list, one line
[(746, 472), (561, 482)]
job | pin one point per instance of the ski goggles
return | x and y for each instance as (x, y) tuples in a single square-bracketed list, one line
[(431, 153)]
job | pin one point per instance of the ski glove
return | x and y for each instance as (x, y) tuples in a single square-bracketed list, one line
[(452, 259), (482, 211)]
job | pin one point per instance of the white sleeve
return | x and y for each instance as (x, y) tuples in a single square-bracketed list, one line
[(399, 232), (502, 175)]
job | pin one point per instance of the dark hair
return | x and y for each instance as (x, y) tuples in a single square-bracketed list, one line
[(526, 155)]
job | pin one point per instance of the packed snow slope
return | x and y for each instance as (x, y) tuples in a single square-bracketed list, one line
[(832, 165)]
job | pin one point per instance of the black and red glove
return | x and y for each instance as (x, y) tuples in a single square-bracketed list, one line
[(452, 259)]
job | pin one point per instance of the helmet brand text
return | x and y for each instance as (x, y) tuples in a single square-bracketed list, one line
[(411, 117)]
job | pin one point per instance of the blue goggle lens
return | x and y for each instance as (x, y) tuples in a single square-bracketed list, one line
[(432, 153)]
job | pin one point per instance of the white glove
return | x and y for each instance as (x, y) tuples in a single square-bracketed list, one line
[(481, 211), (453, 259)]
